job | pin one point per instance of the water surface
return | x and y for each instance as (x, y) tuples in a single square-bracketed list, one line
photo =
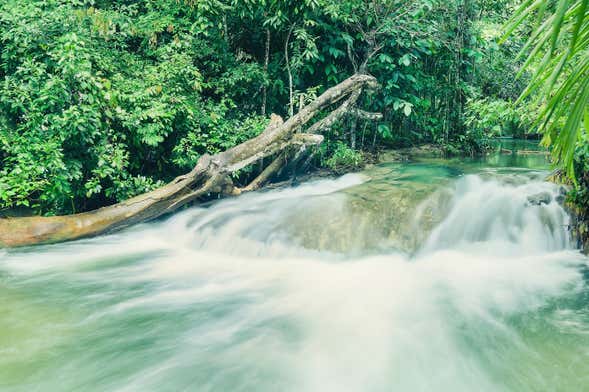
[(447, 275)]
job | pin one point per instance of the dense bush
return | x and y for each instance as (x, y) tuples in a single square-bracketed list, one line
[(486, 118), (101, 100), (100, 105), (344, 158)]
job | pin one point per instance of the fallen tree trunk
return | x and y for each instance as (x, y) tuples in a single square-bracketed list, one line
[(211, 175)]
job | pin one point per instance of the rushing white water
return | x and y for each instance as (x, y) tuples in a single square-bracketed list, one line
[(503, 216), (240, 296)]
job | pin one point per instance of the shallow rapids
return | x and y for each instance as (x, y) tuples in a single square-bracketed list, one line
[(413, 277)]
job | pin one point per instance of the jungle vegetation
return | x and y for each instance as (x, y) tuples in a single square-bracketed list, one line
[(102, 100)]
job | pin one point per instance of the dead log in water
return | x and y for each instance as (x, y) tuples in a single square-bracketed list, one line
[(211, 175)]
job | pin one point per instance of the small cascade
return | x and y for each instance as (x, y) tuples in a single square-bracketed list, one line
[(525, 217)]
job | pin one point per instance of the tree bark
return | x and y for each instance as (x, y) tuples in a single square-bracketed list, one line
[(211, 175), (346, 109), (267, 173), (289, 72), (266, 63)]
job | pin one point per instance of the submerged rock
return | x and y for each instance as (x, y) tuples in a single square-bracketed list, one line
[(562, 193), (409, 153), (539, 199), (394, 210)]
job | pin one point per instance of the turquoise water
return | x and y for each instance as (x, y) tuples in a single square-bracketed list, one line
[(434, 275)]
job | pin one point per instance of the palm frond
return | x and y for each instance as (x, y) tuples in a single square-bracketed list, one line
[(558, 60)]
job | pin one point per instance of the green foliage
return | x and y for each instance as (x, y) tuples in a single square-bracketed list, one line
[(579, 195), (343, 159), (103, 99), (559, 59), (99, 105), (490, 117)]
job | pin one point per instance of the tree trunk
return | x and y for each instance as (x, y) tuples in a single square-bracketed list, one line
[(266, 63), (289, 72), (211, 175), (353, 127), (225, 29)]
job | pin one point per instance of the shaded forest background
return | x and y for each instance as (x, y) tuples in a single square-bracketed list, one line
[(101, 100)]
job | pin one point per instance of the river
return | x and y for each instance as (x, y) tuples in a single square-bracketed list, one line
[(445, 275)]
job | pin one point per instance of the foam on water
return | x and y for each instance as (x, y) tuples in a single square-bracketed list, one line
[(495, 212), (222, 298)]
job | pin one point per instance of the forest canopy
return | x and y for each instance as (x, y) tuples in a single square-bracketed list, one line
[(101, 100)]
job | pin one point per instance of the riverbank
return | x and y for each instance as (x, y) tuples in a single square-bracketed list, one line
[(579, 227)]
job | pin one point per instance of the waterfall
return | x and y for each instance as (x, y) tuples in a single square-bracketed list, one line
[(305, 289), (524, 217)]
